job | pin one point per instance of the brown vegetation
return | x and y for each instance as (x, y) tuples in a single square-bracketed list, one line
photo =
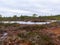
[(20, 34)]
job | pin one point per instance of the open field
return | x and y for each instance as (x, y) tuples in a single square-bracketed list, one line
[(29, 22), (23, 34)]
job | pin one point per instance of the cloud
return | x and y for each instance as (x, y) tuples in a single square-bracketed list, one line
[(28, 7), (13, 11)]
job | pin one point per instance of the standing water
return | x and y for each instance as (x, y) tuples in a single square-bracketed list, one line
[(23, 22)]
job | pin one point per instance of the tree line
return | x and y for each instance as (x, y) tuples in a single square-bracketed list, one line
[(34, 17)]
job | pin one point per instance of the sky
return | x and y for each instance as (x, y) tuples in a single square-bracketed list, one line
[(29, 7)]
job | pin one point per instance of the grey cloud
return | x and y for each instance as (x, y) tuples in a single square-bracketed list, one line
[(40, 7)]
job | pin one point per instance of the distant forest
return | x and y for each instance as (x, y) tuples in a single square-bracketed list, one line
[(34, 17)]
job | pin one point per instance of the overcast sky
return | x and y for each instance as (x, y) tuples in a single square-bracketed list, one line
[(29, 7)]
